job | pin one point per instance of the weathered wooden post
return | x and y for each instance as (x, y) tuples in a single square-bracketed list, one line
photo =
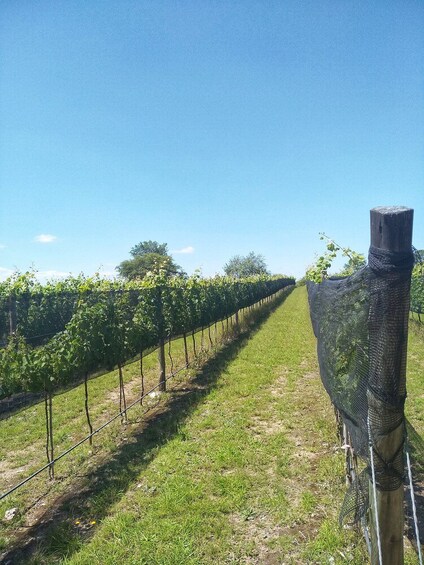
[(187, 361), (391, 243), (161, 333)]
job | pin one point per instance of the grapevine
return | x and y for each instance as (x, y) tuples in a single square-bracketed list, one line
[(63, 332)]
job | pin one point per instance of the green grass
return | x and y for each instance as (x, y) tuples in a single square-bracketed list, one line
[(241, 466), (251, 475), (22, 445), (23, 439)]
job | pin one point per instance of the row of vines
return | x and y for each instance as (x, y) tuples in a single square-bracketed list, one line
[(54, 334)]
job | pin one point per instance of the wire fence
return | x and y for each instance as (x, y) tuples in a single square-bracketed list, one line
[(230, 327), (361, 326)]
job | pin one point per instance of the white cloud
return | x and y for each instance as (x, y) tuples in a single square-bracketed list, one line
[(51, 274), (185, 250), (45, 238), (4, 273), (107, 273)]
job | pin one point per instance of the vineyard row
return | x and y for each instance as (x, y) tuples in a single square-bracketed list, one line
[(52, 339)]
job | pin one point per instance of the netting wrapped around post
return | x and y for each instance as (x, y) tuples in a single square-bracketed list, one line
[(361, 325), (339, 313)]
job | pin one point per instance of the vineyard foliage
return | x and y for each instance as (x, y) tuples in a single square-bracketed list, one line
[(53, 334), (319, 270), (417, 289)]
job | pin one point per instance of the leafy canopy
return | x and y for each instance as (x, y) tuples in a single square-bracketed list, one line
[(148, 257), (241, 267), (146, 247), (319, 270)]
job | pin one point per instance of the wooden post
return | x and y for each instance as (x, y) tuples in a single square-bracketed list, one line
[(391, 230), (161, 351), (162, 368), (187, 362)]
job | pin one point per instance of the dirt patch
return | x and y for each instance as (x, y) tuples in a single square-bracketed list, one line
[(278, 389), (260, 528), (9, 474), (261, 427), (265, 533)]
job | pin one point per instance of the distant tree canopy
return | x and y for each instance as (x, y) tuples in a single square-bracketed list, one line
[(148, 256), (146, 247), (240, 267)]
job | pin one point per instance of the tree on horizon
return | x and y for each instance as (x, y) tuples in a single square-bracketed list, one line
[(240, 267), (148, 256)]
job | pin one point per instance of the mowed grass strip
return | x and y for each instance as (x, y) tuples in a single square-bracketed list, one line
[(253, 475), (111, 458)]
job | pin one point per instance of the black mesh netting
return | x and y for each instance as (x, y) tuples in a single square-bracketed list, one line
[(361, 327)]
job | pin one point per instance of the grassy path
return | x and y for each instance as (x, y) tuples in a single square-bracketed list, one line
[(249, 471), (253, 475)]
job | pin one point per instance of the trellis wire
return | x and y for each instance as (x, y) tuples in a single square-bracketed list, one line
[(86, 438), (50, 464), (374, 486), (414, 508), (351, 468)]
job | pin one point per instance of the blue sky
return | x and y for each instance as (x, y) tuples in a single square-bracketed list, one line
[(217, 127)]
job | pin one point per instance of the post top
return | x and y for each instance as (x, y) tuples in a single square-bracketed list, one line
[(390, 209), (391, 228)]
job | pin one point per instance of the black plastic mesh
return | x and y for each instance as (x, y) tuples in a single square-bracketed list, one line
[(361, 327), (356, 501)]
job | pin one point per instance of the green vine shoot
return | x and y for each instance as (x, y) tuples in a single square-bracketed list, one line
[(320, 269)]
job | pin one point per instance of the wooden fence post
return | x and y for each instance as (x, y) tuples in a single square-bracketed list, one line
[(391, 230), (162, 367), (161, 350)]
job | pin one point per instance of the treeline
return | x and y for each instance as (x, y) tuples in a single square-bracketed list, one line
[(55, 334)]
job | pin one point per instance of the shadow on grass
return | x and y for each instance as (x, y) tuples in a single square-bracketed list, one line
[(56, 534)]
